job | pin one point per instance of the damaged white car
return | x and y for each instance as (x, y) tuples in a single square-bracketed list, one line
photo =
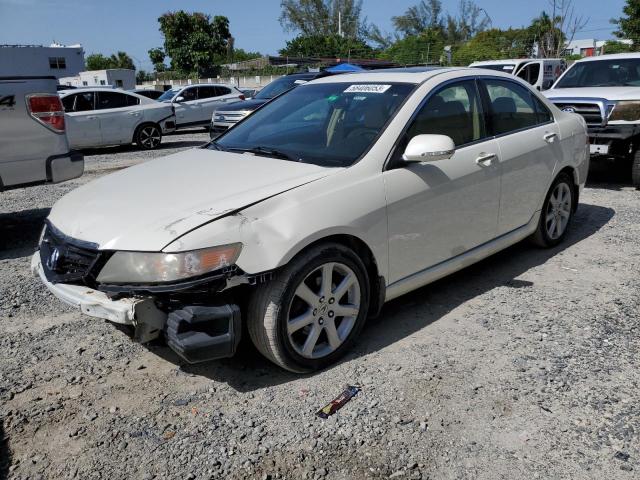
[(304, 218)]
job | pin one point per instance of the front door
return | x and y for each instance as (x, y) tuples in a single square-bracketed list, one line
[(188, 110), (441, 209)]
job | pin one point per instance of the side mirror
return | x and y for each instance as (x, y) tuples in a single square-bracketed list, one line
[(179, 99), (429, 148)]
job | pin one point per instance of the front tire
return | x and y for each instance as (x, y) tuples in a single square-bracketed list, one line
[(309, 315), (556, 214), (148, 136)]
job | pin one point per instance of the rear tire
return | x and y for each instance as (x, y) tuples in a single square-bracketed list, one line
[(309, 315), (557, 212), (635, 169), (148, 136)]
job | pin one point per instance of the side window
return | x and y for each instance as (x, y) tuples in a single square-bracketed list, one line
[(111, 100), (222, 91), (544, 114), (206, 92), (84, 102), (131, 100), (530, 73), (189, 94), (453, 111), (511, 105), (67, 103)]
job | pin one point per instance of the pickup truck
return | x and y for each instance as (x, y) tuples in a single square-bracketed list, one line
[(33, 143), (605, 90)]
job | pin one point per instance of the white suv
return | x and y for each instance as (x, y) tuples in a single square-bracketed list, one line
[(303, 219), (195, 104)]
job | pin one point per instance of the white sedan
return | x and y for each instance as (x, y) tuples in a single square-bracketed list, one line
[(302, 220), (99, 117)]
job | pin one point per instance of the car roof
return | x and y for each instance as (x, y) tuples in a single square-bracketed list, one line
[(92, 89), (203, 85), (612, 56), (403, 75)]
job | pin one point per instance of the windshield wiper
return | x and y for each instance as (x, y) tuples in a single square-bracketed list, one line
[(270, 152), (216, 145)]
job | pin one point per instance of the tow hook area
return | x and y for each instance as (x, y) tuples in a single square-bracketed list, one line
[(199, 334)]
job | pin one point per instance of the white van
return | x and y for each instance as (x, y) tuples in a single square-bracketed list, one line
[(541, 73)]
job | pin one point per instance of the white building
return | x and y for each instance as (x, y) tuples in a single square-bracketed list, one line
[(37, 60), (113, 77), (590, 47)]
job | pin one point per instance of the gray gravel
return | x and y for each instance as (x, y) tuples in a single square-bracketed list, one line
[(526, 365)]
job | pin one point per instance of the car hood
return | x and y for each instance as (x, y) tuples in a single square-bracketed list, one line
[(252, 104), (609, 93), (148, 206)]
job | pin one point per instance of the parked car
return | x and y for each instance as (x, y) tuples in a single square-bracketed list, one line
[(34, 147), (605, 91), (195, 104), (145, 92), (65, 87), (99, 117), (541, 73), (228, 115), (305, 218)]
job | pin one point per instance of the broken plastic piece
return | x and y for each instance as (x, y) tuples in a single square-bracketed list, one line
[(339, 402)]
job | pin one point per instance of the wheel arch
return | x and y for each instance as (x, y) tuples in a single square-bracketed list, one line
[(377, 282), (144, 123), (573, 173)]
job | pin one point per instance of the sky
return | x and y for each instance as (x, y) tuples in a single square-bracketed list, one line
[(106, 26)]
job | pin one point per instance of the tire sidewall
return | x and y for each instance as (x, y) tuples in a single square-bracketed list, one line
[(562, 178), (297, 275)]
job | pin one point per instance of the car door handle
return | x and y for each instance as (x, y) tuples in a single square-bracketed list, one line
[(485, 159), (134, 114), (550, 137), (91, 117)]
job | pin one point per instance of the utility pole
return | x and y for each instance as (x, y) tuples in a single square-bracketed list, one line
[(340, 23)]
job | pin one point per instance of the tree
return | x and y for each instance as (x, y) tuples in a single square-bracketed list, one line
[(425, 15), (495, 44), (142, 76), (97, 61), (617, 47), (157, 55), (193, 40), (629, 25), (553, 32), (333, 46), (424, 48), (323, 17)]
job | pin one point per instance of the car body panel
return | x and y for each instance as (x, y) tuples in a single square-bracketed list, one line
[(188, 190)]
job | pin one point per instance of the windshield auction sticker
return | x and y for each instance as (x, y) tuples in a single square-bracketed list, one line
[(367, 88)]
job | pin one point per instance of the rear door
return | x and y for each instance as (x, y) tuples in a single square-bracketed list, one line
[(83, 126), (119, 115), (529, 143), (439, 210), (532, 73)]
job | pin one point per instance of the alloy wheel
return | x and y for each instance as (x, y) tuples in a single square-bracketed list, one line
[(150, 137), (324, 310), (558, 211)]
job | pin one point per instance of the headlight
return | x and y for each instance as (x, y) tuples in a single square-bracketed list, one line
[(626, 111), (148, 267)]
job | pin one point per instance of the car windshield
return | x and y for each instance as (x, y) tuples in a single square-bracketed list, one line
[(602, 73), (330, 124), (168, 95), (501, 67), (278, 86)]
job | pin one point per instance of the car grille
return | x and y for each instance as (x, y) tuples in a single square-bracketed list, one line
[(590, 111), (66, 260), (230, 117), (218, 129)]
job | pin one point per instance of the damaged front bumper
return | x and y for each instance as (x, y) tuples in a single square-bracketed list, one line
[(196, 334)]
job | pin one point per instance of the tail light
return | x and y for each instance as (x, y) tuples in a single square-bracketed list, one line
[(47, 109), (242, 97)]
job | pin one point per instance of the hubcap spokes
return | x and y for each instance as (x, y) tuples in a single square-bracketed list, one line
[(324, 310), (150, 137), (558, 211)]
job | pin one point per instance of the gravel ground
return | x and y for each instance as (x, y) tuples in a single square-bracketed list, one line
[(523, 366)]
